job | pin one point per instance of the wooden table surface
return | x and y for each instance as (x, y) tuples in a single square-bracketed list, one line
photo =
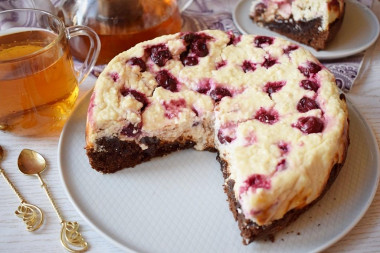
[(364, 237)]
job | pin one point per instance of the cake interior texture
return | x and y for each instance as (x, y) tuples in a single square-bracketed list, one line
[(266, 106), (314, 23)]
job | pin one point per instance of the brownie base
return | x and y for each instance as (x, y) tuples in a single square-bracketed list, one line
[(304, 32), (115, 154)]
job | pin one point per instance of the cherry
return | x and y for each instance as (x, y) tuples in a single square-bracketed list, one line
[(131, 130), (188, 60), (115, 76), (174, 107), (136, 94), (224, 138), (263, 40), (290, 48), (219, 92), (221, 64), (167, 81), (306, 104), (233, 39), (248, 66), (159, 54), (310, 85), (311, 69), (139, 62), (267, 117), (268, 62), (272, 87), (256, 181), (309, 125), (283, 147), (204, 87), (281, 165)]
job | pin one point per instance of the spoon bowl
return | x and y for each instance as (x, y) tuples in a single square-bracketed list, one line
[(31, 162)]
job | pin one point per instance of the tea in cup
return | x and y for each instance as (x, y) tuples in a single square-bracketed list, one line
[(38, 82)]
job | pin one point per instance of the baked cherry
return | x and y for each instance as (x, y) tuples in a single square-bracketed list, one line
[(219, 92), (272, 87), (139, 62), (268, 62), (199, 48), (263, 40), (248, 66), (267, 117), (309, 125), (290, 49), (159, 54), (114, 75), (188, 60), (306, 104), (204, 87), (260, 9), (254, 182), (284, 148), (281, 165), (136, 94), (311, 69), (174, 107), (310, 85), (167, 81), (221, 64), (224, 138), (233, 39), (131, 130)]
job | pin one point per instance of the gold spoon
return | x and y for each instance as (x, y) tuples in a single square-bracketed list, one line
[(31, 162), (32, 216)]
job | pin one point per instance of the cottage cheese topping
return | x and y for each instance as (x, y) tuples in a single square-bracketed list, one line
[(268, 106), (301, 10)]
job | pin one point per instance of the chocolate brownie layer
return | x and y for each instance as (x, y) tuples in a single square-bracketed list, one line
[(306, 22), (116, 154), (306, 32)]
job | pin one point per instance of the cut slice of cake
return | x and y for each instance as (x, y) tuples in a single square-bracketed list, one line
[(311, 22), (268, 107)]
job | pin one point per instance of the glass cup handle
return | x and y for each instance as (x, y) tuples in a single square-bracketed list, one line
[(93, 51)]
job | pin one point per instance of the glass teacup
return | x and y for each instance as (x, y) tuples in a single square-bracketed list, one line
[(38, 82)]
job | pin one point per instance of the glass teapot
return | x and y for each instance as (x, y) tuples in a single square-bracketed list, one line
[(120, 24)]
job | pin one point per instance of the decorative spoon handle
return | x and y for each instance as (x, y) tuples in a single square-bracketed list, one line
[(32, 215), (71, 239)]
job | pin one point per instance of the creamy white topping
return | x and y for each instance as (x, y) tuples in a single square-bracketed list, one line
[(254, 123)]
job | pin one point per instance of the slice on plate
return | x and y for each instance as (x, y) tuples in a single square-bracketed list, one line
[(311, 22), (268, 107)]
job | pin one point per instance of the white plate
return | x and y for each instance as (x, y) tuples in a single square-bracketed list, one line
[(177, 203), (359, 30)]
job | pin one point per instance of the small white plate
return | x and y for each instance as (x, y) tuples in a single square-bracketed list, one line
[(177, 204), (359, 30)]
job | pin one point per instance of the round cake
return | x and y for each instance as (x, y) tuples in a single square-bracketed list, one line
[(270, 110)]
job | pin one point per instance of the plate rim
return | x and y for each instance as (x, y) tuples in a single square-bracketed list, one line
[(128, 248), (319, 54)]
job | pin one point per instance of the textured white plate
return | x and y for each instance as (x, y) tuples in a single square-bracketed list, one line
[(177, 203), (359, 30)]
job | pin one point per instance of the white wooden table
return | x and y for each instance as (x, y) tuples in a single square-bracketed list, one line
[(364, 237)]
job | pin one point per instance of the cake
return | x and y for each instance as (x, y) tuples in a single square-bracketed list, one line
[(311, 22), (268, 108)]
